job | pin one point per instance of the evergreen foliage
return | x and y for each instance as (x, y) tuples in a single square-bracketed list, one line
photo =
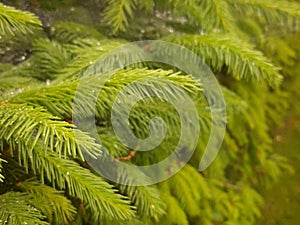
[(44, 178), (14, 21)]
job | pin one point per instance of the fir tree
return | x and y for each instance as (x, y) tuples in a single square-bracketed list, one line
[(44, 178)]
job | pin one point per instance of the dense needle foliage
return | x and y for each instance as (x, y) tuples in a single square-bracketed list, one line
[(44, 178)]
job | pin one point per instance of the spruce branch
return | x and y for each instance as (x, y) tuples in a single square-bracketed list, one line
[(117, 13), (86, 52), (69, 32), (49, 57), (99, 196), (282, 12), (20, 124), (175, 214), (14, 21), (215, 15), (240, 58), (145, 198), (58, 97), (11, 83), (185, 192), (16, 210), (51, 202)]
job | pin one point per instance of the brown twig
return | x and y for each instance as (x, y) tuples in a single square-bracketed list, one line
[(128, 157)]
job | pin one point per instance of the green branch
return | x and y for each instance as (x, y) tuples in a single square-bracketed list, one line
[(51, 202), (241, 60), (99, 196), (14, 21), (21, 123), (274, 11), (15, 210)]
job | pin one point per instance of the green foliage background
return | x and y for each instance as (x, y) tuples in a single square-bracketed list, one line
[(252, 47)]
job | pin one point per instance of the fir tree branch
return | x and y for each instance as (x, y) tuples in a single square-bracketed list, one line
[(175, 214), (21, 123), (240, 58), (15, 21), (69, 32), (49, 58), (146, 198), (52, 203), (86, 52), (11, 83), (117, 12), (147, 5), (57, 97), (283, 12), (15, 210), (216, 15), (99, 196), (186, 193)]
